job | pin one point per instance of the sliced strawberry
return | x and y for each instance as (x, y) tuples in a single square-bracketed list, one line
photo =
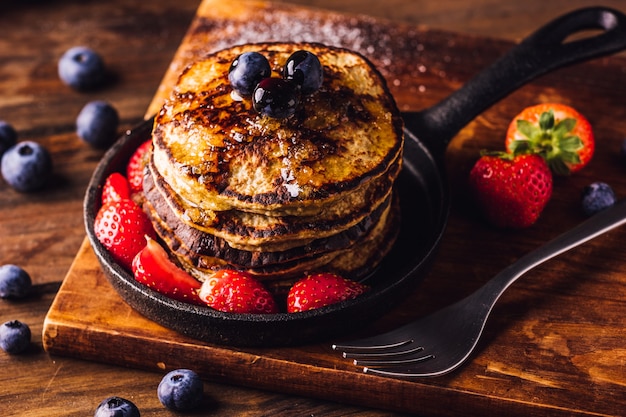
[(511, 191), (235, 291), (152, 267), (136, 165), (322, 289), (121, 226), (115, 188), (559, 133)]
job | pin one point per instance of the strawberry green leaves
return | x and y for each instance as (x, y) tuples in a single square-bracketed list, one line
[(554, 141), (556, 132)]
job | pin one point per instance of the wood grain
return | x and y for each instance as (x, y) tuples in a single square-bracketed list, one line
[(553, 336), (138, 39)]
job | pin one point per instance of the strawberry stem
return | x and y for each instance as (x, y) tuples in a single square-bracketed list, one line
[(552, 140)]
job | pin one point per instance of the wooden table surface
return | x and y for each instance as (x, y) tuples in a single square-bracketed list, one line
[(43, 231)]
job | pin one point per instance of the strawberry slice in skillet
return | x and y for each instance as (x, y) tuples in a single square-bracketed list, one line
[(121, 226), (136, 165), (115, 188), (322, 289), (152, 267), (234, 291)]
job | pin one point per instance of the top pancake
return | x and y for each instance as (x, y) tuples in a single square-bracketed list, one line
[(215, 150)]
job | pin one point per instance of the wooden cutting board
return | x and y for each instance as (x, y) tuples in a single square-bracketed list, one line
[(555, 344)]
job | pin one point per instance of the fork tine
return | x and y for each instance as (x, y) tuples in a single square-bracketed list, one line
[(392, 339), (430, 365), (417, 369), (388, 363), (397, 372), (367, 345), (389, 354)]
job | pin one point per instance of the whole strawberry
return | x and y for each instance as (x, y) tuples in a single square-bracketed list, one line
[(559, 133), (322, 289), (511, 190), (121, 226), (235, 291), (136, 165), (153, 268)]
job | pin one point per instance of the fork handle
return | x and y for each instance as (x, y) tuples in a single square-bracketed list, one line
[(595, 226)]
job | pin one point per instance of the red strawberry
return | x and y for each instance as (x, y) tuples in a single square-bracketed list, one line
[(235, 291), (154, 268), (121, 226), (512, 191), (322, 289), (136, 165), (560, 134), (115, 188)]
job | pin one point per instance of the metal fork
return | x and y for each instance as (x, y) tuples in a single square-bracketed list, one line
[(441, 342)]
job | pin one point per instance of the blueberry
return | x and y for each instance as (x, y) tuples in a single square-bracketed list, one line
[(180, 390), (116, 407), (81, 68), (26, 166), (97, 124), (8, 136), (276, 97), (305, 69), (246, 71), (14, 282), (14, 336), (597, 196)]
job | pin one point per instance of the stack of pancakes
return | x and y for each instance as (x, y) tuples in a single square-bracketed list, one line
[(279, 198)]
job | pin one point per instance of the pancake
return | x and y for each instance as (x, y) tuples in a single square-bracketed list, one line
[(218, 152), (200, 243), (355, 261), (227, 187), (256, 232)]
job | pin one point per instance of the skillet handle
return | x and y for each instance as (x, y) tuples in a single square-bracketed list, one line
[(544, 50)]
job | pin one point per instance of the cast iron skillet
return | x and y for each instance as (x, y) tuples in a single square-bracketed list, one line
[(422, 186)]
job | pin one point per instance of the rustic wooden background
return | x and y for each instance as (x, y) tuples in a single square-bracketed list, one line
[(42, 232)]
